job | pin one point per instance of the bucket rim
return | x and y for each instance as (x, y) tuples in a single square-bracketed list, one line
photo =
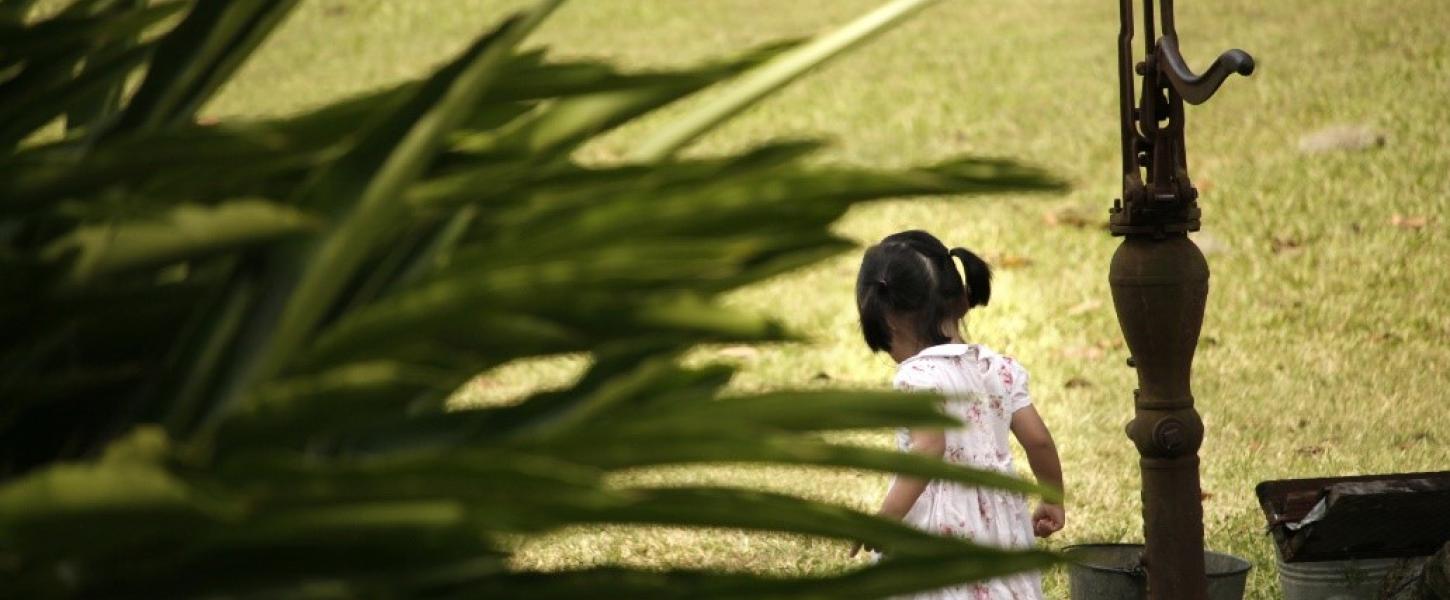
[(1135, 571), (1242, 565)]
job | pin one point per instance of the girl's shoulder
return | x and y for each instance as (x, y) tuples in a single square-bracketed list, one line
[(932, 364), (965, 369), (992, 358), (1011, 375), (928, 369), (937, 366)]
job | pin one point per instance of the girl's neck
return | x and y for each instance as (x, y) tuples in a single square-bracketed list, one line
[(952, 331)]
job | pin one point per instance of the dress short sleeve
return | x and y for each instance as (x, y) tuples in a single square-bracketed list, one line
[(1014, 379)]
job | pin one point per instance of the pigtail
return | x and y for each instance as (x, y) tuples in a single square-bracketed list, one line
[(978, 277)]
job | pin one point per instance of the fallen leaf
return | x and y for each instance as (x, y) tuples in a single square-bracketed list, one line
[(1342, 137), (1416, 439), (1284, 244), (1087, 352), (1008, 261), (1208, 243), (1086, 306), (1077, 383), (1410, 222), (1111, 343), (1071, 216), (1384, 336)]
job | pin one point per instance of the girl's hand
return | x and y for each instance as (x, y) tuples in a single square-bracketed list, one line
[(1048, 519)]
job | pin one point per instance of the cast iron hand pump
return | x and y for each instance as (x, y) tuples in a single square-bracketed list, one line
[(1160, 282)]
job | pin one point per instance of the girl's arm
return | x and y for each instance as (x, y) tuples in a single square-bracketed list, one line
[(1041, 451), (905, 490)]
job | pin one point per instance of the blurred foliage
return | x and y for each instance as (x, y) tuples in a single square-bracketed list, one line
[(228, 346)]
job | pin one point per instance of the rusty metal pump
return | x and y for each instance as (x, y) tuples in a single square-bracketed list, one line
[(1159, 281)]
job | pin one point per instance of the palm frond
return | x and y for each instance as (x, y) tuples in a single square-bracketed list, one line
[(230, 347)]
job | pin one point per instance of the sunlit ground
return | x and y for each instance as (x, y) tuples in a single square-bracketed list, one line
[(1327, 340)]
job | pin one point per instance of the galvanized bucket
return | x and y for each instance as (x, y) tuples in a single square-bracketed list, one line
[(1114, 572), (1338, 579)]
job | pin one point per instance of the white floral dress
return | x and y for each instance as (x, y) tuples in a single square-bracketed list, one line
[(983, 389)]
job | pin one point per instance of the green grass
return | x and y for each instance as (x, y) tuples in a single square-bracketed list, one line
[(1330, 357)]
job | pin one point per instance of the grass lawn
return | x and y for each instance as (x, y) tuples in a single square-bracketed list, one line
[(1326, 345)]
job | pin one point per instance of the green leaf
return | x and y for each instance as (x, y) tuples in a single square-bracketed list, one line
[(629, 392), (309, 406), (884, 579), (496, 490), (14, 11), (23, 117), (195, 361), (478, 316), (185, 233), (770, 77), (532, 79), (41, 75), (701, 445), (289, 557), (189, 164), (764, 511), (569, 190), (374, 173), (64, 33), (93, 509), (771, 199), (792, 412), (485, 478), (569, 122), (96, 108), (544, 409), (584, 111), (333, 551), (196, 57)]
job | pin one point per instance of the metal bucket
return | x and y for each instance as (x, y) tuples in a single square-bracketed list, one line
[(1338, 579), (1114, 572)]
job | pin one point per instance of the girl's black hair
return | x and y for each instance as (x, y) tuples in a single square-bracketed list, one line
[(912, 274)]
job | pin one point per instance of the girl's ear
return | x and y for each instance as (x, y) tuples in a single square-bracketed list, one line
[(901, 328), (891, 320)]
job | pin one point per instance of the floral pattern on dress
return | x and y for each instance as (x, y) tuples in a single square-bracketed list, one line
[(982, 389)]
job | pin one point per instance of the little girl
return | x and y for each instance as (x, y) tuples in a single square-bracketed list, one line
[(912, 301)]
